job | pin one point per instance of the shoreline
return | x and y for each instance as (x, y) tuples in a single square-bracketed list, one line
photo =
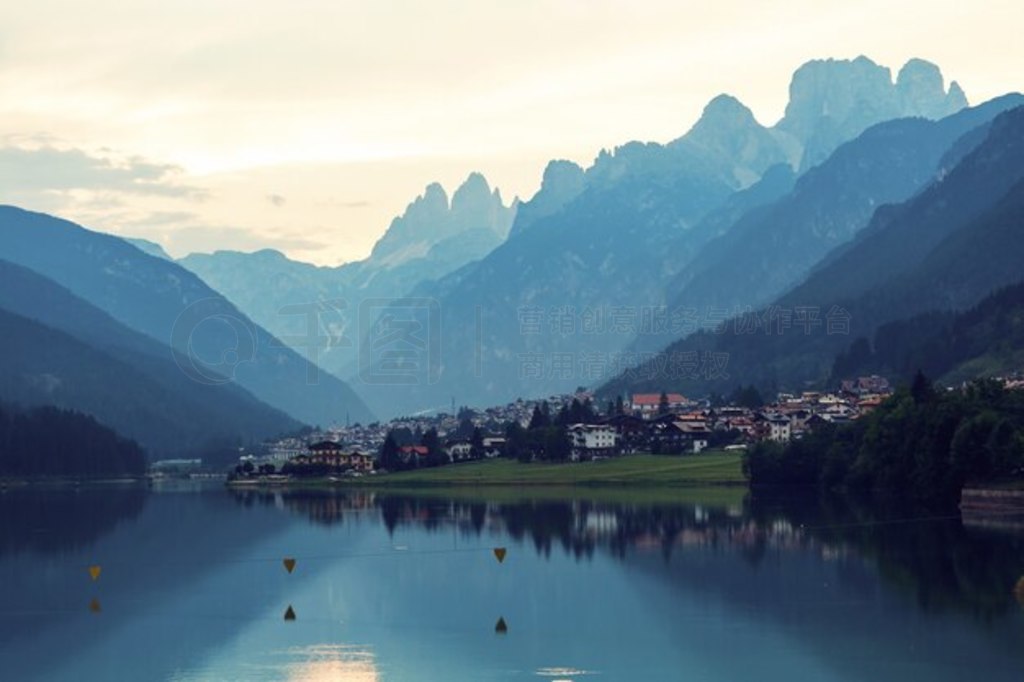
[(70, 482), (629, 472)]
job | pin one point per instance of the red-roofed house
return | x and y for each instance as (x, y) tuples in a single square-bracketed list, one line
[(648, 403), (420, 452)]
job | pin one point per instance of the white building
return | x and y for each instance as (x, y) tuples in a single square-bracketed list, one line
[(593, 437), (780, 430), (459, 450), (493, 447)]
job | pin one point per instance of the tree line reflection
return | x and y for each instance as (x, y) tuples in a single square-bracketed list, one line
[(63, 519), (938, 562), (934, 560)]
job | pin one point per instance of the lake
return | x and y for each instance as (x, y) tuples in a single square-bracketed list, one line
[(635, 585)]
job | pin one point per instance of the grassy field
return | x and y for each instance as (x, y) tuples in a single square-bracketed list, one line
[(711, 469)]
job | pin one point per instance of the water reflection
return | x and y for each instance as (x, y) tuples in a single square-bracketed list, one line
[(932, 558), (63, 518), (330, 663), (386, 586)]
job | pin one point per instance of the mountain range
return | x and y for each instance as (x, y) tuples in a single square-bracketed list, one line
[(58, 349), (769, 251), (433, 237), (917, 264), (607, 243), (730, 214), (212, 340), (888, 199)]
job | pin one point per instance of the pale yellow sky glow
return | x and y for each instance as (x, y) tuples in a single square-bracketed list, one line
[(306, 126)]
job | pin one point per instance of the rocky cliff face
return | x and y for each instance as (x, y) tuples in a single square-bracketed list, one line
[(430, 219), (921, 91), (728, 130), (832, 101), (562, 182)]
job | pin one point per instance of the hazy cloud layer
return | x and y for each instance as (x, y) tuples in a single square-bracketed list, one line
[(49, 169)]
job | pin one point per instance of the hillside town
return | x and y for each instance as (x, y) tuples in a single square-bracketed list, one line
[(574, 429)]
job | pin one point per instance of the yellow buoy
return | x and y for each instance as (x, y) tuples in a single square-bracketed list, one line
[(289, 564), (94, 572), (499, 554)]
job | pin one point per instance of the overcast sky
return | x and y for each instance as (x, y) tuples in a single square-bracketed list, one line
[(307, 125)]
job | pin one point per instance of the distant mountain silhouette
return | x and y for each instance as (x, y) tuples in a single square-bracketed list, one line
[(834, 100), (432, 238), (731, 213), (614, 236), (769, 251), (171, 305), (945, 249), (152, 399)]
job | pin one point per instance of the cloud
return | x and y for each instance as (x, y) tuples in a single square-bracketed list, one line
[(277, 200), (48, 170)]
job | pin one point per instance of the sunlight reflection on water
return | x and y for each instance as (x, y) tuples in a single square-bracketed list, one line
[(323, 662), (562, 674)]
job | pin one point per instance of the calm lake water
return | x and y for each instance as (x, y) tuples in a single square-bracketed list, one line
[(629, 587)]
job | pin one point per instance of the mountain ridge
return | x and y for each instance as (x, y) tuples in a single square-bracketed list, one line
[(947, 247), (171, 305)]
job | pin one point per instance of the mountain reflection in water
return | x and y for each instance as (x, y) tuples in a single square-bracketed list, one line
[(387, 586)]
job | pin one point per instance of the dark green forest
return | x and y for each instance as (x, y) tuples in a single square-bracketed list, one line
[(922, 443), (48, 441), (983, 340)]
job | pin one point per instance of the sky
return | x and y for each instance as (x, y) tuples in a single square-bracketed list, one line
[(307, 125)]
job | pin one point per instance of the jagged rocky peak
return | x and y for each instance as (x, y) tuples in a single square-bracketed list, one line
[(562, 182), (728, 130), (430, 219), (835, 89), (724, 112), (832, 101), (922, 91), (957, 95), (562, 178), (472, 196), (433, 201), (475, 206), (423, 215)]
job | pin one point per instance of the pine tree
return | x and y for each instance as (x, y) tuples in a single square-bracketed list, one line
[(436, 456), (476, 444), (390, 456)]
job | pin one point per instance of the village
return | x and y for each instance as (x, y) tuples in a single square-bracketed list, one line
[(655, 423)]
